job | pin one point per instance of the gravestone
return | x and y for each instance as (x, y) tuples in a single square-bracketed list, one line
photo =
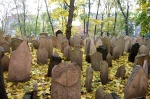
[(127, 46), (54, 39), (20, 64), (103, 51), (1, 52), (6, 47), (43, 35), (108, 96), (60, 39), (15, 43), (120, 43), (54, 60), (35, 44), (5, 63), (76, 40), (99, 93), (96, 58), (141, 41), (87, 46), (144, 50), (92, 47), (88, 58), (115, 96), (98, 42), (104, 72), (109, 59), (145, 67), (58, 32), (42, 55), (71, 41), (139, 60), (107, 43), (67, 52), (1, 36), (64, 44), (137, 84), (76, 56), (121, 72), (116, 53), (148, 43), (47, 44), (7, 38), (66, 81), (133, 52), (89, 78)]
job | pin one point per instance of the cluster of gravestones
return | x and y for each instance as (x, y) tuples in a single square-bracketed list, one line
[(66, 77)]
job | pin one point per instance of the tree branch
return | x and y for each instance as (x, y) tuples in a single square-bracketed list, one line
[(121, 8)]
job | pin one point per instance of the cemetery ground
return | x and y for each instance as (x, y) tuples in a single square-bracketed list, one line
[(39, 72)]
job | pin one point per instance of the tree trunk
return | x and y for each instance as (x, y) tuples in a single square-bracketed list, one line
[(97, 16), (50, 21), (87, 24), (115, 21), (70, 18), (24, 17), (102, 25), (84, 22)]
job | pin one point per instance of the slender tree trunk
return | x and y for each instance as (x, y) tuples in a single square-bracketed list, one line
[(115, 21), (102, 25), (70, 18), (24, 17), (97, 16), (43, 28), (84, 22), (50, 21), (87, 24), (18, 16)]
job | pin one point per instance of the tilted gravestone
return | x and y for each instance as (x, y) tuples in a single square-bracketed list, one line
[(96, 58), (60, 39), (139, 60), (121, 72), (127, 46), (108, 96), (6, 47), (20, 64), (133, 52), (5, 63), (89, 78), (109, 59), (98, 42), (87, 46), (77, 57), (54, 60), (67, 52), (116, 53), (15, 43), (42, 55), (145, 67), (43, 34), (99, 93), (66, 81), (92, 46), (144, 50), (35, 44), (47, 44), (137, 84), (103, 51), (104, 72)]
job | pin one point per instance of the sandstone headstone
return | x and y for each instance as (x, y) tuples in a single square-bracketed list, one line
[(35, 44), (43, 34), (108, 96), (148, 43), (133, 52), (98, 42), (109, 59), (76, 40), (96, 58), (77, 57), (54, 39), (116, 53), (144, 50), (115, 96), (104, 72), (47, 44), (60, 39), (99, 93), (127, 46), (15, 43), (87, 46), (103, 51), (88, 81), (42, 55), (66, 81), (5, 63), (67, 52), (145, 67), (121, 72), (20, 64), (64, 44), (1, 52), (137, 84), (120, 43), (6, 47), (54, 60), (1, 35), (92, 46), (7, 38)]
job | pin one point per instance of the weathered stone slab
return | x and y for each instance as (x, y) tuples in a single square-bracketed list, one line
[(87, 46), (66, 81), (6, 47), (96, 58), (99, 93), (77, 57), (35, 44), (137, 84), (15, 43), (109, 59), (103, 51), (144, 50), (20, 64), (145, 67), (43, 34), (42, 55), (5, 63), (116, 53), (1, 52), (121, 72), (67, 52), (89, 77)]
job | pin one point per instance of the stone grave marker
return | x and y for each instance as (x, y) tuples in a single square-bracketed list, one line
[(5, 63), (64, 44), (148, 43), (96, 58), (120, 43), (92, 46), (141, 41), (77, 57), (35, 44), (1, 36), (133, 52), (1, 52), (87, 46), (103, 51), (127, 46), (67, 52), (144, 50), (145, 67), (137, 84), (116, 53), (6, 47), (121, 72), (54, 60), (60, 39), (42, 55), (20, 64), (7, 38), (76, 40), (15, 43), (108, 96), (43, 34), (99, 93), (109, 59), (89, 78), (66, 81), (98, 42), (47, 44), (104, 72)]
